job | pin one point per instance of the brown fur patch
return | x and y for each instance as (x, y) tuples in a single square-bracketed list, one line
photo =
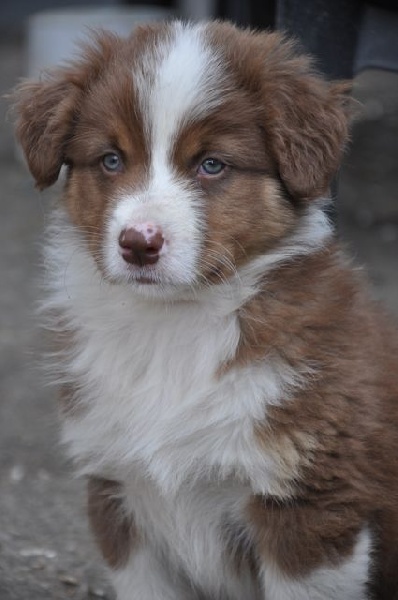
[(303, 116), (298, 538), (335, 434), (91, 191), (114, 530), (245, 198), (45, 113)]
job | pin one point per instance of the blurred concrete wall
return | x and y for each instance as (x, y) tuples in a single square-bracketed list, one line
[(13, 13)]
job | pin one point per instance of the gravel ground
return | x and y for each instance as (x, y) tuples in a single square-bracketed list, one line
[(45, 548)]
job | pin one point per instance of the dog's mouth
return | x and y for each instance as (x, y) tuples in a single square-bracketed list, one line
[(142, 279), (143, 275)]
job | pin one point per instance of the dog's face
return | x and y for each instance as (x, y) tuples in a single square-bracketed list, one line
[(191, 149)]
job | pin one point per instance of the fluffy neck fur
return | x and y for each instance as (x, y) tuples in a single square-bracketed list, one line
[(130, 358)]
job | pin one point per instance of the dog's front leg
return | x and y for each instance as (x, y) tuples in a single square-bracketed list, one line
[(144, 577), (346, 581), (136, 572), (307, 553)]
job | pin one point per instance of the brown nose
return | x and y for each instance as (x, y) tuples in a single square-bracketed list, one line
[(141, 247)]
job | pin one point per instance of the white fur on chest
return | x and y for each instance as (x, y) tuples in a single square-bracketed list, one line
[(147, 375), (192, 533), (153, 399)]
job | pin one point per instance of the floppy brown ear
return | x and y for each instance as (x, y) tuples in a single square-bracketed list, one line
[(44, 118), (309, 131), (305, 118)]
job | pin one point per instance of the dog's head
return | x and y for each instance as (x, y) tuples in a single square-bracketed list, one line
[(190, 149)]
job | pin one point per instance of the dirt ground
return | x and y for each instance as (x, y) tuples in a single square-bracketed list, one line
[(46, 552)]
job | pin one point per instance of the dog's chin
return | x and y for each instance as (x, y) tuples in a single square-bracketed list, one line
[(162, 291)]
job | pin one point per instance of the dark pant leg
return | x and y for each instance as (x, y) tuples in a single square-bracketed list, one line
[(327, 29)]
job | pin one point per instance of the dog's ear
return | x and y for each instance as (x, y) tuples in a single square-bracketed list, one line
[(46, 110), (309, 134), (44, 118), (306, 118)]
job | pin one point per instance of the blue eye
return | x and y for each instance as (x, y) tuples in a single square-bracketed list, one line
[(112, 162), (211, 166)]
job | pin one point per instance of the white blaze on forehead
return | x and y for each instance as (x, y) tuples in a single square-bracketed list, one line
[(180, 80)]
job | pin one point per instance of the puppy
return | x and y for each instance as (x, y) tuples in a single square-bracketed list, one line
[(228, 388)]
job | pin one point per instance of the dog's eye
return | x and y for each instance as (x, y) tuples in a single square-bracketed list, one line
[(112, 162), (211, 166)]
